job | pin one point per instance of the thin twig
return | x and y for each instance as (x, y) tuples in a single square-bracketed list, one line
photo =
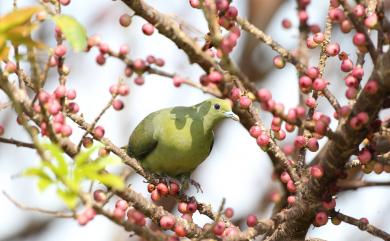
[(58, 214), (16, 142), (362, 225)]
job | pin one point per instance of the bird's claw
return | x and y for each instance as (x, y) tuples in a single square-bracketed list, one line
[(196, 185)]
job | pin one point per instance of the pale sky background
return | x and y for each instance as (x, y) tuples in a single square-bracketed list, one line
[(236, 169)]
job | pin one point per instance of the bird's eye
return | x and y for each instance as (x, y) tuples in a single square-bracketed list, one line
[(217, 106)]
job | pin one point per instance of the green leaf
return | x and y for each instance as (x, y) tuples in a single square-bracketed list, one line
[(84, 156), (44, 180), (36, 171), (69, 198), (109, 180), (17, 17), (74, 32), (57, 153), (43, 184)]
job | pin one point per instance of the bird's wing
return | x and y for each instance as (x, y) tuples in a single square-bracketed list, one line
[(142, 140), (212, 142)]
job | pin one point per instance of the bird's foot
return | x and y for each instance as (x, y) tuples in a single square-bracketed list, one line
[(196, 185)]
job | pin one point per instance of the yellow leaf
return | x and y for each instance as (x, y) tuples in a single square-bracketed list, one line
[(17, 18)]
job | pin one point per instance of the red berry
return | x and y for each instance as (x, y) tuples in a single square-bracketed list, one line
[(82, 219), (71, 94), (229, 212), (310, 43), (182, 207), (60, 92), (245, 102), (66, 130), (299, 142), (321, 218), (329, 205), (100, 59), (291, 199), (219, 228), (123, 49), (279, 62), (60, 50), (99, 132), (73, 107), (162, 189), (364, 156), (215, 76), (317, 171), (312, 144), (359, 10), (65, 2), (337, 15), (177, 81), (151, 187), (231, 13), (251, 220), (358, 72), (303, 16), (103, 48), (119, 214), (359, 39), (195, 3), (285, 177), (123, 89), (117, 104), (99, 196), (148, 29), (264, 95), (312, 72), (311, 102), (222, 5), (235, 94), (1, 130), (43, 96), (167, 222), (346, 26), (121, 204), (371, 87), (318, 38), (155, 195), (371, 21), (87, 142), (160, 62), (319, 84), (351, 93), (305, 83), (10, 67), (173, 189), (346, 65), (125, 20), (128, 71), (180, 231), (291, 186), (333, 49), (255, 131), (286, 23), (192, 207), (263, 140), (89, 213)]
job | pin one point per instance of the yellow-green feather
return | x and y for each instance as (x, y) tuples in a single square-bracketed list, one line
[(175, 141)]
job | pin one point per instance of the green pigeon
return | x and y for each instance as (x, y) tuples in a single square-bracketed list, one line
[(172, 142)]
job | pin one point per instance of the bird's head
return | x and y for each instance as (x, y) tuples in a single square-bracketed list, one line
[(218, 109)]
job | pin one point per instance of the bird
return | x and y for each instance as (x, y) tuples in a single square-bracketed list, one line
[(171, 143)]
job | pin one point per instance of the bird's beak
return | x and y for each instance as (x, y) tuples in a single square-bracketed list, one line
[(230, 114)]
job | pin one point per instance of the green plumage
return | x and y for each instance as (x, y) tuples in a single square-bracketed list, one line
[(174, 141)]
